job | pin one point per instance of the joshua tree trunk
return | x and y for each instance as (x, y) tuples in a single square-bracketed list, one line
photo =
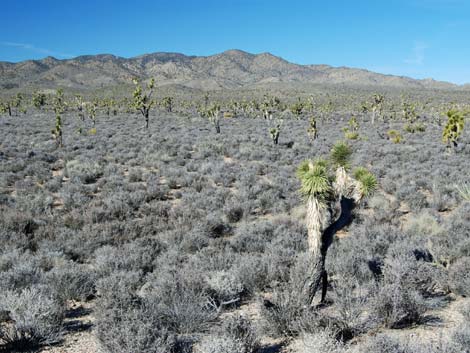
[(146, 115), (322, 226), (319, 240)]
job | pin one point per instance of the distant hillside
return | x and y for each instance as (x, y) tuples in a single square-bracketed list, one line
[(229, 70)]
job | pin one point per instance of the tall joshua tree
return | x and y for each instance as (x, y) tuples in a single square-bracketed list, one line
[(377, 105), (453, 129), (331, 194), (59, 106), (142, 100), (213, 113)]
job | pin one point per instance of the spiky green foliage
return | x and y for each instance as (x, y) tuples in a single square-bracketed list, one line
[(167, 103), (59, 106), (350, 132), (464, 191), (315, 179), (377, 105), (38, 99), (341, 154), (4, 108), (394, 136), (91, 111), (297, 108), (454, 127), (312, 131), (142, 101), (213, 113), (367, 181), (275, 131), (409, 112)]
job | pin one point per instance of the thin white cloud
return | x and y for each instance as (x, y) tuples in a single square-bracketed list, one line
[(417, 54), (31, 47)]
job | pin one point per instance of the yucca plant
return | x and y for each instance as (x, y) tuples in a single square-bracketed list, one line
[(91, 111), (5, 107), (377, 105), (167, 103), (59, 106), (350, 132), (464, 191), (394, 136), (312, 131), (331, 194), (38, 99), (143, 100), (297, 108), (213, 113), (453, 128), (275, 131)]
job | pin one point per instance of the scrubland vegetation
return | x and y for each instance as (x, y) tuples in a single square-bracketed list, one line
[(185, 227)]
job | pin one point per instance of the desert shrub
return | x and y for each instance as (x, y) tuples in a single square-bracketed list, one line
[(459, 276), (138, 255), (132, 327), (288, 311), (214, 226), (74, 196), (351, 298), (412, 265), (34, 315), (233, 212), (71, 281), (135, 175), (84, 171), (251, 271), (444, 197), (252, 237), (220, 344), (236, 335), (397, 306), (20, 276), (224, 286), (384, 211), (18, 222), (424, 224), (182, 299), (322, 341)]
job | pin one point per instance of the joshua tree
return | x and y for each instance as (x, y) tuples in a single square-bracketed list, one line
[(331, 195), (312, 129), (38, 99), (206, 100), (269, 105), (297, 108), (16, 103), (394, 136), (350, 132), (453, 128), (5, 107), (59, 106), (214, 116), (80, 105), (142, 100), (275, 131), (168, 104), (377, 105), (91, 111)]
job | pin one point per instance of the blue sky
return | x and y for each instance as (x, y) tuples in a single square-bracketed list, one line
[(417, 38)]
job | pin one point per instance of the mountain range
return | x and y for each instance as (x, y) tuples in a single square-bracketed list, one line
[(232, 69)]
